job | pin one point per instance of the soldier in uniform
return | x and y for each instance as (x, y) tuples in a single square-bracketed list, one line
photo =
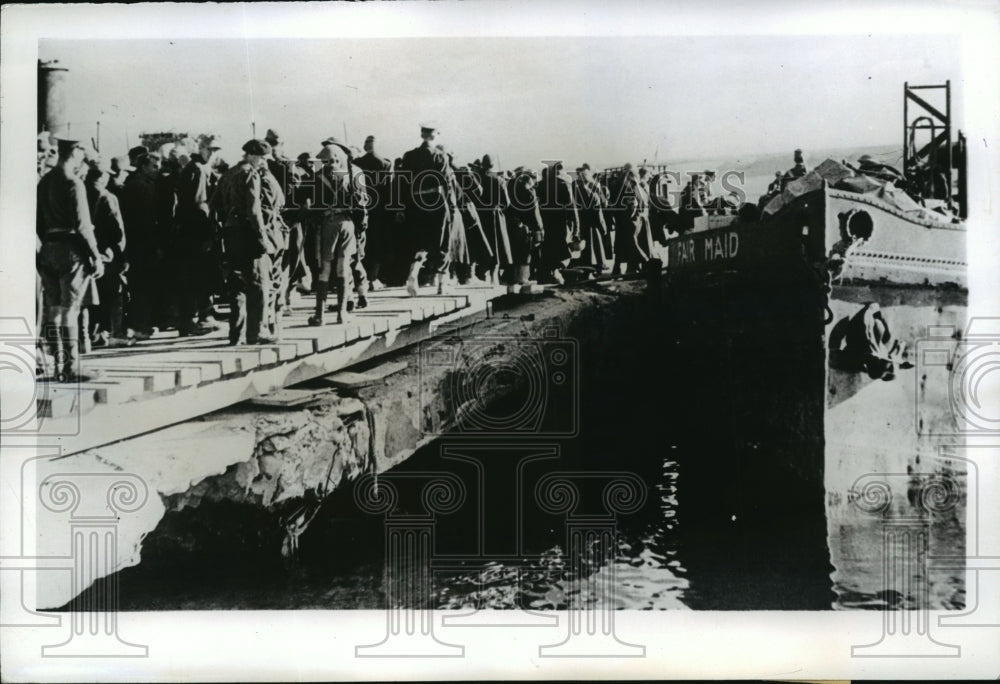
[(775, 186), (303, 198), (459, 265), (195, 239), (632, 222), (135, 154), (292, 265), (360, 217), (524, 224), (590, 204), (798, 170), (378, 182), (341, 196), (560, 221), (67, 258), (492, 202), (119, 171), (138, 205), (427, 177), (167, 270), (109, 233), (249, 242), (272, 205)]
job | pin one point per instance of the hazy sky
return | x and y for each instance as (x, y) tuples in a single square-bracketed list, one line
[(603, 100)]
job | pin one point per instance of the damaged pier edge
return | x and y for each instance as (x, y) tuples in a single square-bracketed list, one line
[(279, 457)]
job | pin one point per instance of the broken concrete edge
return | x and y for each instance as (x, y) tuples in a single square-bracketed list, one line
[(275, 459)]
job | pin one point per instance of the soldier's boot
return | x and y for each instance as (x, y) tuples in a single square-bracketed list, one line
[(413, 280), (83, 334), (69, 368), (53, 347), (439, 279), (343, 299), (362, 297), (321, 290)]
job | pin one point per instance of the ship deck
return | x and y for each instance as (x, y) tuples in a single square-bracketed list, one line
[(168, 379)]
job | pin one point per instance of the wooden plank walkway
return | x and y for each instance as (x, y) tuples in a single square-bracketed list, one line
[(168, 379)]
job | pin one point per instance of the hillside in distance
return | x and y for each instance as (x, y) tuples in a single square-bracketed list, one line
[(766, 164)]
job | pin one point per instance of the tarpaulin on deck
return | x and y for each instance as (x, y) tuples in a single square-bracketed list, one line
[(841, 177)]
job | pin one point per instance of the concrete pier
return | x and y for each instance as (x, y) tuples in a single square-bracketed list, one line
[(243, 438), (166, 379)]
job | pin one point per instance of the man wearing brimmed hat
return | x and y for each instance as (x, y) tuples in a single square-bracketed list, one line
[(67, 258), (249, 244), (426, 175), (343, 160), (378, 184), (340, 197)]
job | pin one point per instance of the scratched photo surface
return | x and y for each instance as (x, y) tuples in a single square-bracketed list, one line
[(482, 330)]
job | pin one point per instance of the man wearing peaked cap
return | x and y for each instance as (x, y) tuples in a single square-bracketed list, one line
[(250, 242), (120, 168), (67, 258), (211, 142), (426, 175)]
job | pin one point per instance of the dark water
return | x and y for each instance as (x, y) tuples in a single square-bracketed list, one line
[(697, 418)]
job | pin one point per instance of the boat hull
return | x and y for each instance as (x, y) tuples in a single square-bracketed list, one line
[(784, 283)]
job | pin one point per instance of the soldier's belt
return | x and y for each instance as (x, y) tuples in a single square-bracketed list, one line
[(427, 191)]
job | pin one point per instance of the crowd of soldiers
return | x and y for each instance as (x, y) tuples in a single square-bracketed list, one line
[(163, 238)]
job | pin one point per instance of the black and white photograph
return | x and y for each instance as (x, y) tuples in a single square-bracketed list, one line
[(499, 340)]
